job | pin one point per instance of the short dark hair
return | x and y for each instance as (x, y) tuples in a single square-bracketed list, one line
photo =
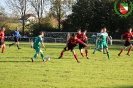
[(73, 34), (40, 33), (79, 29)]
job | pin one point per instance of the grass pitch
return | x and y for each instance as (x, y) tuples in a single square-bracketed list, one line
[(17, 70)]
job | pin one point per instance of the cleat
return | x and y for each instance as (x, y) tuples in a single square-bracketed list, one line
[(45, 60), (78, 61), (19, 48), (87, 57), (93, 52), (32, 60), (128, 54), (59, 57), (9, 45), (118, 54)]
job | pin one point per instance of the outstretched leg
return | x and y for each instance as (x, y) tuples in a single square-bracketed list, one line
[(122, 51), (76, 57)]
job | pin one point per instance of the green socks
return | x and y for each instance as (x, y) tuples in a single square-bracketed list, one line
[(108, 55)]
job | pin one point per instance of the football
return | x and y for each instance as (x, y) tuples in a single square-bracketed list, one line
[(48, 58)]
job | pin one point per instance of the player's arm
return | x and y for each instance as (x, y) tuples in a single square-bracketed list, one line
[(108, 38), (132, 34), (31, 43), (79, 41), (43, 45)]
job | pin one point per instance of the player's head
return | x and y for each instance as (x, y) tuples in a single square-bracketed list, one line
[(16, 28), (104, 29), (74, 35), (41, 34), (3, 29), (79, 31), (130, 30)]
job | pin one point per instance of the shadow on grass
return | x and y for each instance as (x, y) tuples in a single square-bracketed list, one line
[(119, 87), (14, 61)]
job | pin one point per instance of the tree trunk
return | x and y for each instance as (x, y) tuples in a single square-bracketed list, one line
[(23, 24)]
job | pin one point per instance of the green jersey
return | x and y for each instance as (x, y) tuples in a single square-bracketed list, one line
[(104, 37), (37, 40)]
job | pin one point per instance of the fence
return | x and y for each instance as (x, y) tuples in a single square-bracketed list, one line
[(53, 37)]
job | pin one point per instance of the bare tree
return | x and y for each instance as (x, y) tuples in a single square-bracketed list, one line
[(59, 9), (20, 6), (39, 7)]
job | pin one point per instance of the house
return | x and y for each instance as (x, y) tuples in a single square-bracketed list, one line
[(28, 18)]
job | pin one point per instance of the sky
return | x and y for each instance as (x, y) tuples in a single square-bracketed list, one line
[(3, 4)]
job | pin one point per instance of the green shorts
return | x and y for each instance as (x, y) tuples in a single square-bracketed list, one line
[(103, 45), (37, 49), (98, 43)]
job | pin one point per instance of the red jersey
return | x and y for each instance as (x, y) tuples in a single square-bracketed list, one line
[(2, 36), (81, 36), (128, 36), (73, 42)]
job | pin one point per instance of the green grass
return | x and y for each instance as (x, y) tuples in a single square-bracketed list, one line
[(17, 70)]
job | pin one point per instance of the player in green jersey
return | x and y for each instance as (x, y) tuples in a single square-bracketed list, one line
[(103, 44), (36, 45), (98, 41)]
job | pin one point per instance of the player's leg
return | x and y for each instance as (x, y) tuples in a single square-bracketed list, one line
[(104, 52), (13, 43), (96, 45), (127, 43), (80, 49), (122, 50), (3, 48), (62, 52), (86, 52), (42, 56), (129, 49), (37, 49), (17, 42), (76, 57), (101, 47), (107, 51), (105, 46)]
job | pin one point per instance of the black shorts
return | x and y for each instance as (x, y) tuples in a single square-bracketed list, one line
[(127, 43), (69, 48), (1, 43), (81, 46), (16, 39)]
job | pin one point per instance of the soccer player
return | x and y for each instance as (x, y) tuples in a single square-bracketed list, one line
[(128, 35), (2, 37), (103, 45), (71, 43), (36, 45), (98, 42), (83, 38), (16, 36)]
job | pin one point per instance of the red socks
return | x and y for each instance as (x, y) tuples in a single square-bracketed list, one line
[(82, 54), (86, 51), (3, 49), (129, 50), (121, 51), (76, 57)]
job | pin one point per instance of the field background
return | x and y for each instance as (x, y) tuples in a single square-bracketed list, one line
[(17, 70)]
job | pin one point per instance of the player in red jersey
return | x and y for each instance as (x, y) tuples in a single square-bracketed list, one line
[(128, 35), (83, 38), (71, 43), (2, 37)]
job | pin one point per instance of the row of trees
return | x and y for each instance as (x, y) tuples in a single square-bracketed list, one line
[(85, 14), (58, 9)]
